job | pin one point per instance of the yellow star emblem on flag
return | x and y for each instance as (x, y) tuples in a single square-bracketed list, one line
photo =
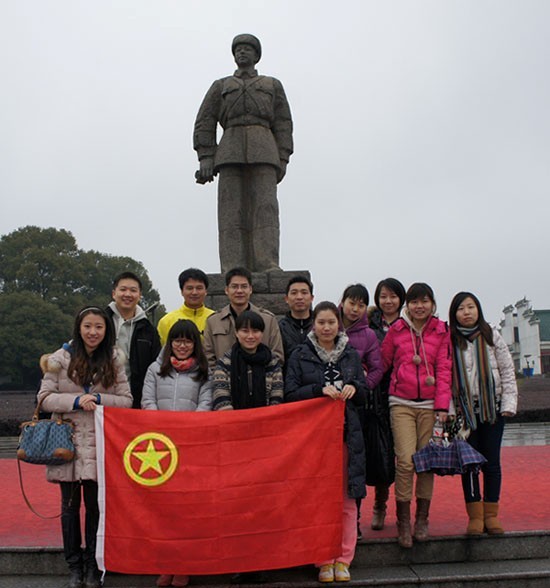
[(150, 459)]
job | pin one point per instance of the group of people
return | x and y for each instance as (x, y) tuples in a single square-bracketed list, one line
[(242, 357)]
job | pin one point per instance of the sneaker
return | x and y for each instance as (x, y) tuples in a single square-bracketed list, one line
[(326, 573), (180, 580), (165, 580), (341, 572)]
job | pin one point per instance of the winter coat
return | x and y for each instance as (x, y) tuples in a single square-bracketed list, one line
[(408, 380), (293, 332), (219, 334), (58, 393), (176, 391), (144, 349), (502, 367), (183, 313), (222, 383), (363, 339), (305, 379)]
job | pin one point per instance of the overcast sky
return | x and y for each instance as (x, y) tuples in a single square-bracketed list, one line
[(422, 136)]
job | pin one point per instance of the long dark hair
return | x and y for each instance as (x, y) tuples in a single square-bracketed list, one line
[(99, 367), (457, 337), (185, 329)]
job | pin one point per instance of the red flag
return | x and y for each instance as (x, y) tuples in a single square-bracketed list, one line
[(218, 492)]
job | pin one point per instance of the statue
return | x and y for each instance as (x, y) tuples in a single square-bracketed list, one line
[(251, 158)]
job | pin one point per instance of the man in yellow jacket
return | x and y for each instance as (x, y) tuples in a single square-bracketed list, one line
[(194, 288)]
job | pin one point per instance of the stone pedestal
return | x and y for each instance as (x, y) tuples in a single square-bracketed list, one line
[(268, 290)]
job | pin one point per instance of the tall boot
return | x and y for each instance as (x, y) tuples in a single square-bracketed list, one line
[(70, 528), (92, 575), (421, 522), (475, 514), (379, 508), (403, 510), (490, 518)]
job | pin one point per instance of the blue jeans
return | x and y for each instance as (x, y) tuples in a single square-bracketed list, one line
[(486, 439)]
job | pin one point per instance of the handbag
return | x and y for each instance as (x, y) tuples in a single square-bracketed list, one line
[(379, 453), (44, 442)]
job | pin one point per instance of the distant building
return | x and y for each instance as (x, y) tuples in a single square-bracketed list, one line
[(527, 333)]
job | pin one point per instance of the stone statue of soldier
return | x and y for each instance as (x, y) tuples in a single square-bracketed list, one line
[(251, 158)]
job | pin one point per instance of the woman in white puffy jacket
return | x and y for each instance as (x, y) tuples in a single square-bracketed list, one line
[(178, 380), (485, 391)]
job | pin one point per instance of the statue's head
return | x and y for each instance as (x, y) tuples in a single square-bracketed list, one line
[(251, 41)]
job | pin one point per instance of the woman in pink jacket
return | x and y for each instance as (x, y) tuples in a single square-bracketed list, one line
[(418, 349), (80, 376)]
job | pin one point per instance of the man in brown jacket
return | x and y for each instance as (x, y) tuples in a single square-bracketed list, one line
[(251, 158), (219, 334)]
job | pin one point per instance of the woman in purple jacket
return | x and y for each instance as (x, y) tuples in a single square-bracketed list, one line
[(353, 317), (417, 348)]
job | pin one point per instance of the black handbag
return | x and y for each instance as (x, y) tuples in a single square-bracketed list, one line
[(379, 453)]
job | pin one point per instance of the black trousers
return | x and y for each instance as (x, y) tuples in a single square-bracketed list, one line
[(71, 498), (486, 439)]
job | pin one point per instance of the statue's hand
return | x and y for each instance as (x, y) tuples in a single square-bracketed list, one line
[(282, 171), (206, 172)]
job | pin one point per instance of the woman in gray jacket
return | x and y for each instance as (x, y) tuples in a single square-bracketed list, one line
[(178, 380)]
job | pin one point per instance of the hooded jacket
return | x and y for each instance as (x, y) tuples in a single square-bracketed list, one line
[(433, 346), (144, 349), (58, 393), (363, 339)]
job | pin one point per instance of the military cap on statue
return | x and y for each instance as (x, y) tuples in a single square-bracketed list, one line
[(247, 39)]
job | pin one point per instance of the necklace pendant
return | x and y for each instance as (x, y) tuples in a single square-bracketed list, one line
[(417, 359), (430, 381)]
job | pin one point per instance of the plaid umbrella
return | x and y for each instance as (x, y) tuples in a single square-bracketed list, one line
[(447, 458)]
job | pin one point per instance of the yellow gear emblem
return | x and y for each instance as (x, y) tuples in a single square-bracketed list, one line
[(150, 459)]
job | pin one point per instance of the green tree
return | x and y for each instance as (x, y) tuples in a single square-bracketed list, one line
[(29, 327), (43, 261), (44, 279)]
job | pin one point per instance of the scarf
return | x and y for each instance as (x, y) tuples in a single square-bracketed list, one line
[(183, 365), (486, 384), (332, 373), (248, 376)]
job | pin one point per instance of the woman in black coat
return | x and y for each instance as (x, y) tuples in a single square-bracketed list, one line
[(326, 365)]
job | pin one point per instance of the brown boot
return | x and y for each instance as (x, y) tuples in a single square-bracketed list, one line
[(421, 522), (403, 510), (379, 508), (490, 518), (475, 513)]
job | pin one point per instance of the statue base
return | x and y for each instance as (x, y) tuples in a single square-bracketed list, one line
[(268, 290)]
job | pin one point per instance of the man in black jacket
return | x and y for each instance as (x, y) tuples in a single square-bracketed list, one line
[(135, 335), (296, 323)]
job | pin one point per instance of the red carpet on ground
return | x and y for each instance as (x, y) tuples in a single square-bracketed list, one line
[(525, 505)]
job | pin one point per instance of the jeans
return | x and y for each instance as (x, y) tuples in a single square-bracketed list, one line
[(486, 439)]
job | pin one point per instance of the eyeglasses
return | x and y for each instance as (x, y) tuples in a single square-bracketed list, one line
[(182, 343)]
